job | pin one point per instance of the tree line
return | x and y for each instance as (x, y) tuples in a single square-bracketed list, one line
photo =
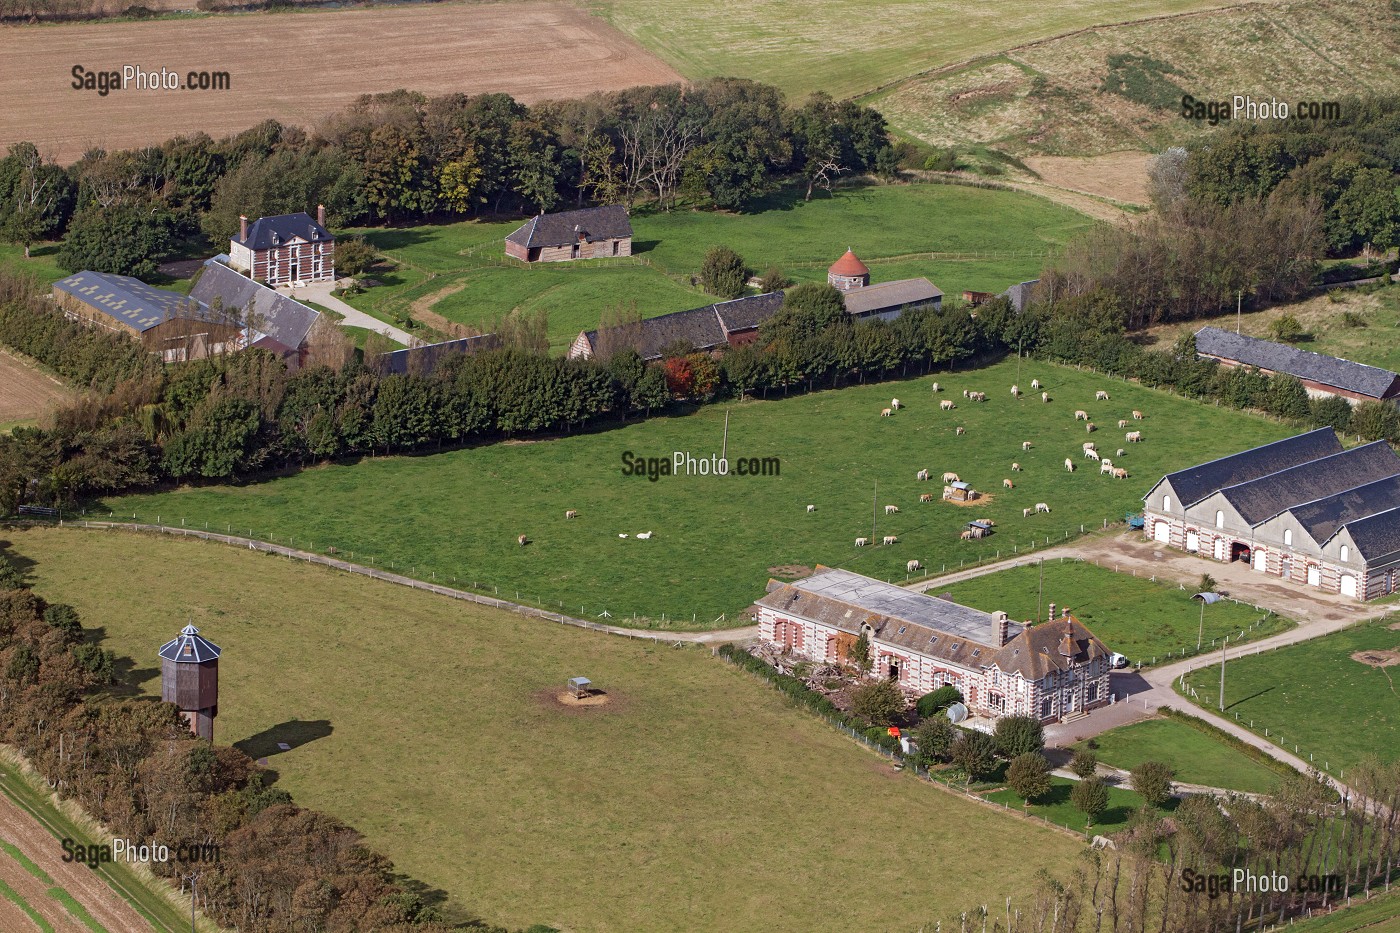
[(134, 766), (403, 157)]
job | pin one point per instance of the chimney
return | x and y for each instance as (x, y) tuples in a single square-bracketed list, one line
[(242, 228), (1065, 611), (1052, 612), (1002, 628), (321, 214)]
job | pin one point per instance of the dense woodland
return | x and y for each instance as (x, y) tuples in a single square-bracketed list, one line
[(401, 157), (134, 765)]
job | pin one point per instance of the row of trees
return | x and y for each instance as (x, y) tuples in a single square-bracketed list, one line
[(401, 156), (134, 766)]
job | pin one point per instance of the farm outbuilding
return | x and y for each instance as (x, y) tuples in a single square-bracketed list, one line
[(580, 687), (175, 326), (960, 492), (591, 233), (979, 529)]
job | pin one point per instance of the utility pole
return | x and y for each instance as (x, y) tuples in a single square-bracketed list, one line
[(724, 446), (1200, 632), (1239, 304), (874, 510), (1222, 672), (193, 879)]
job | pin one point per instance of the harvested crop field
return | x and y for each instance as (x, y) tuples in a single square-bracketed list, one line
[(26, 392), (533, 51), (1121, 176)]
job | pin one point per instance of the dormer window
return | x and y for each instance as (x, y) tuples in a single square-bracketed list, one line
[(901, 630), (956, 646)]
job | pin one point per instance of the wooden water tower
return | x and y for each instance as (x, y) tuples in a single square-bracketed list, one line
[(189, 678)]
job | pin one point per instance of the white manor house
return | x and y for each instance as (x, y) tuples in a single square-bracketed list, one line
[(1051, 671)]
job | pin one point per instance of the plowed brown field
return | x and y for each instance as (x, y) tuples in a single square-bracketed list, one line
[(26, 394), (299, 67)]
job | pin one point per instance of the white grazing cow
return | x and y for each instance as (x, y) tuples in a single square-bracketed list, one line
[(923, 475), (960, 431), (1134, 436), (1121, 452), (1069, 464), (1090, 428), (885, 412), (947, 404), (1025, 445), (967, 535), (889, 539), (967, 394), (522, 540), (1122, 423), (1045, 396), (1090, 445), (1016, 467), (951, 478), (1025, 513), (1081, 415), (1015, 391), (1106, 466), (1120, 473), (1035, 383), (912, 566), (571, 513), (644, 535), (1008, 484), (926, 497), (622, 535), (861, 542), (937, 387), (1042, 507), (891, 509), (1101, 396), (894, 403), (811, 508), (1137, 415), (1092, 454)]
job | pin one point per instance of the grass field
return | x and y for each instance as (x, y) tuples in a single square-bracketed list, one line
[(1050, 97), (1380, 915), (984, 240), (1055, 806), (1131, 615), (847, 48), (457, 514), (1313, 695), (432, 726), (1196, 757)]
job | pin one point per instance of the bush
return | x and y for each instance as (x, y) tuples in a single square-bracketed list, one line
[(1089, 797), (65, 619), (1375, 421), (353, 256), (878, 701), (723, 273), (1018, 735), (1286, 328), (975, 753), (773, 280), (937, 701), (1029, 776), (1207, 583), (1352, 319), (1084, 763), (1153, 782), (942, 160), (934, 738)]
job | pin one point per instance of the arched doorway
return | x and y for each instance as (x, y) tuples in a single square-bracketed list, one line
[(1240, 551), (1162, 531), (1349, 585)]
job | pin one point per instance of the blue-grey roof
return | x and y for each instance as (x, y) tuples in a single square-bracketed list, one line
[(1021, 294), (1325, 370), (1377, 537), (1195, 483), (703, 328), (271, 232), (276, 315), (425, 359), (1263, 498), (190, 647), (131, 301), (566, 227), (886, 296), (1322, 518)]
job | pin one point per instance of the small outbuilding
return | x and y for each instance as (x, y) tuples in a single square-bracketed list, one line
[(960, 492), (580, 687), (979, 529)]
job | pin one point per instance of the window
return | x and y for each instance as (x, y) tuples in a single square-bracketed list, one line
[(1346, 553), (901, 630), (976, 652), (1166, 503), (1045, 705), (1219, 519), (1092, 694), (1288, 536), (932, 639), (956, 646)]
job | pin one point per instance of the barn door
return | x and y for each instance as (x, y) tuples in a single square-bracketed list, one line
[(1261, 559), (1219, 548), (1193, 541), (1314, 575), (1348, 585), (1162, 531)]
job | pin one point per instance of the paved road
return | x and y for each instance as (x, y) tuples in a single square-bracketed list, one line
[(320, 293)]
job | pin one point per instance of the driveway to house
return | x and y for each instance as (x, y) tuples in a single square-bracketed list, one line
[(320, 292)]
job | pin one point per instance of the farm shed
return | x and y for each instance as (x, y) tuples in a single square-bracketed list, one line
[(961, 492), (979, 529), (265, 312), (591, 233), (709, 329), (1320, 374), (580, 687), (164, 322)]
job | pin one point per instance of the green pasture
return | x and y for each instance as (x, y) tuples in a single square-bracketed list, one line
[(1194, 756)]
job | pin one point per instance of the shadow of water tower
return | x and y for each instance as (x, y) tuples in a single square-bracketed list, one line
[(189, 678)]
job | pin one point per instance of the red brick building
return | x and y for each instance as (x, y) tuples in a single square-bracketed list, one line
[(290, 249)]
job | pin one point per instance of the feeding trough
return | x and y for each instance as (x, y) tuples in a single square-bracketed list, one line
[(580, 687)]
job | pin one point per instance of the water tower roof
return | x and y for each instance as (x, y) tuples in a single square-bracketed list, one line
[(849, 265), (190, 647)]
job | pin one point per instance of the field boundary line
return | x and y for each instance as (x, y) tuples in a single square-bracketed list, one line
[(494, 602)]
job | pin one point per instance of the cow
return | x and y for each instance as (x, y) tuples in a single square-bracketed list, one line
[(1045, 396), (861, 542), (988, 522), (1025, 445), (937, 387), (644, 535), (980, 396), (1134, 436), (1101, 396), (1121, 452), (891, 509), (885, 412), (913, 565), (967, 394), (947, 404), (889, 539), (1137, 415), (1120, 473), (947, 492), (1090, 428), (1069, 464), (1008, 484), (967, 535), (522, 540), (894, 403), (811, 508), (1025, 513), (1015, 391), (571, 513), (1122, 423), (1105, 466), (1081, 415), (1042, 507), (1091, 453), (1035, 383), (951, 478), (922, 475), (622, 535), (1090, 445), (1016, 468), (926, 497), (959, 431)]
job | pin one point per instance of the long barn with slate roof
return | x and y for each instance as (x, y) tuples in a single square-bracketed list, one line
[(708, 329), (1321, 375), (591, 233), (1052, 671), (164, 322), (1302, 509)]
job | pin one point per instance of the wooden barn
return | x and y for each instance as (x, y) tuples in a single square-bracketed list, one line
[(289, 249), (177, 327), (591, 233)]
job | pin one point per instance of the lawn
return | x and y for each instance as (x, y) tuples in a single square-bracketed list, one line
[(1134, 616), (697, 799), (970, 238), (718, 539), (1196, 757), (845, 48), (1379, 915), (1056, 808), (1313, 695)]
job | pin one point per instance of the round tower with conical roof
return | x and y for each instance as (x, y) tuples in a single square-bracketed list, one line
[(189, 678), (848, 272)]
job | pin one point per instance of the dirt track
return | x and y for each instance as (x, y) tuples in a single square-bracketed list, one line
[(26, 394), (299, 67)]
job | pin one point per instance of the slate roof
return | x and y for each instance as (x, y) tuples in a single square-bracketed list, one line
[(563, 229), (128, 300), (1365, 380), (1051, 646), (748, 313), (1263, 498), (1021, 295), (271, 232), (1195, 483), (872, 299), (425, 359), (1377, 536), (199, 647), (275, 315), (703, 328), (1322, 518)]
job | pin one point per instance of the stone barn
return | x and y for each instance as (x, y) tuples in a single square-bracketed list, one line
[(591, 233)]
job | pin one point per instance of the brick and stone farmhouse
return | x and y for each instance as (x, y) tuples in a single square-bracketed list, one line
[(167, 323), (1321, 375), (1051, 671), (289, 249), (272, 321), (711, 329), (1301, 509), (591, 233), (887, 300)]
